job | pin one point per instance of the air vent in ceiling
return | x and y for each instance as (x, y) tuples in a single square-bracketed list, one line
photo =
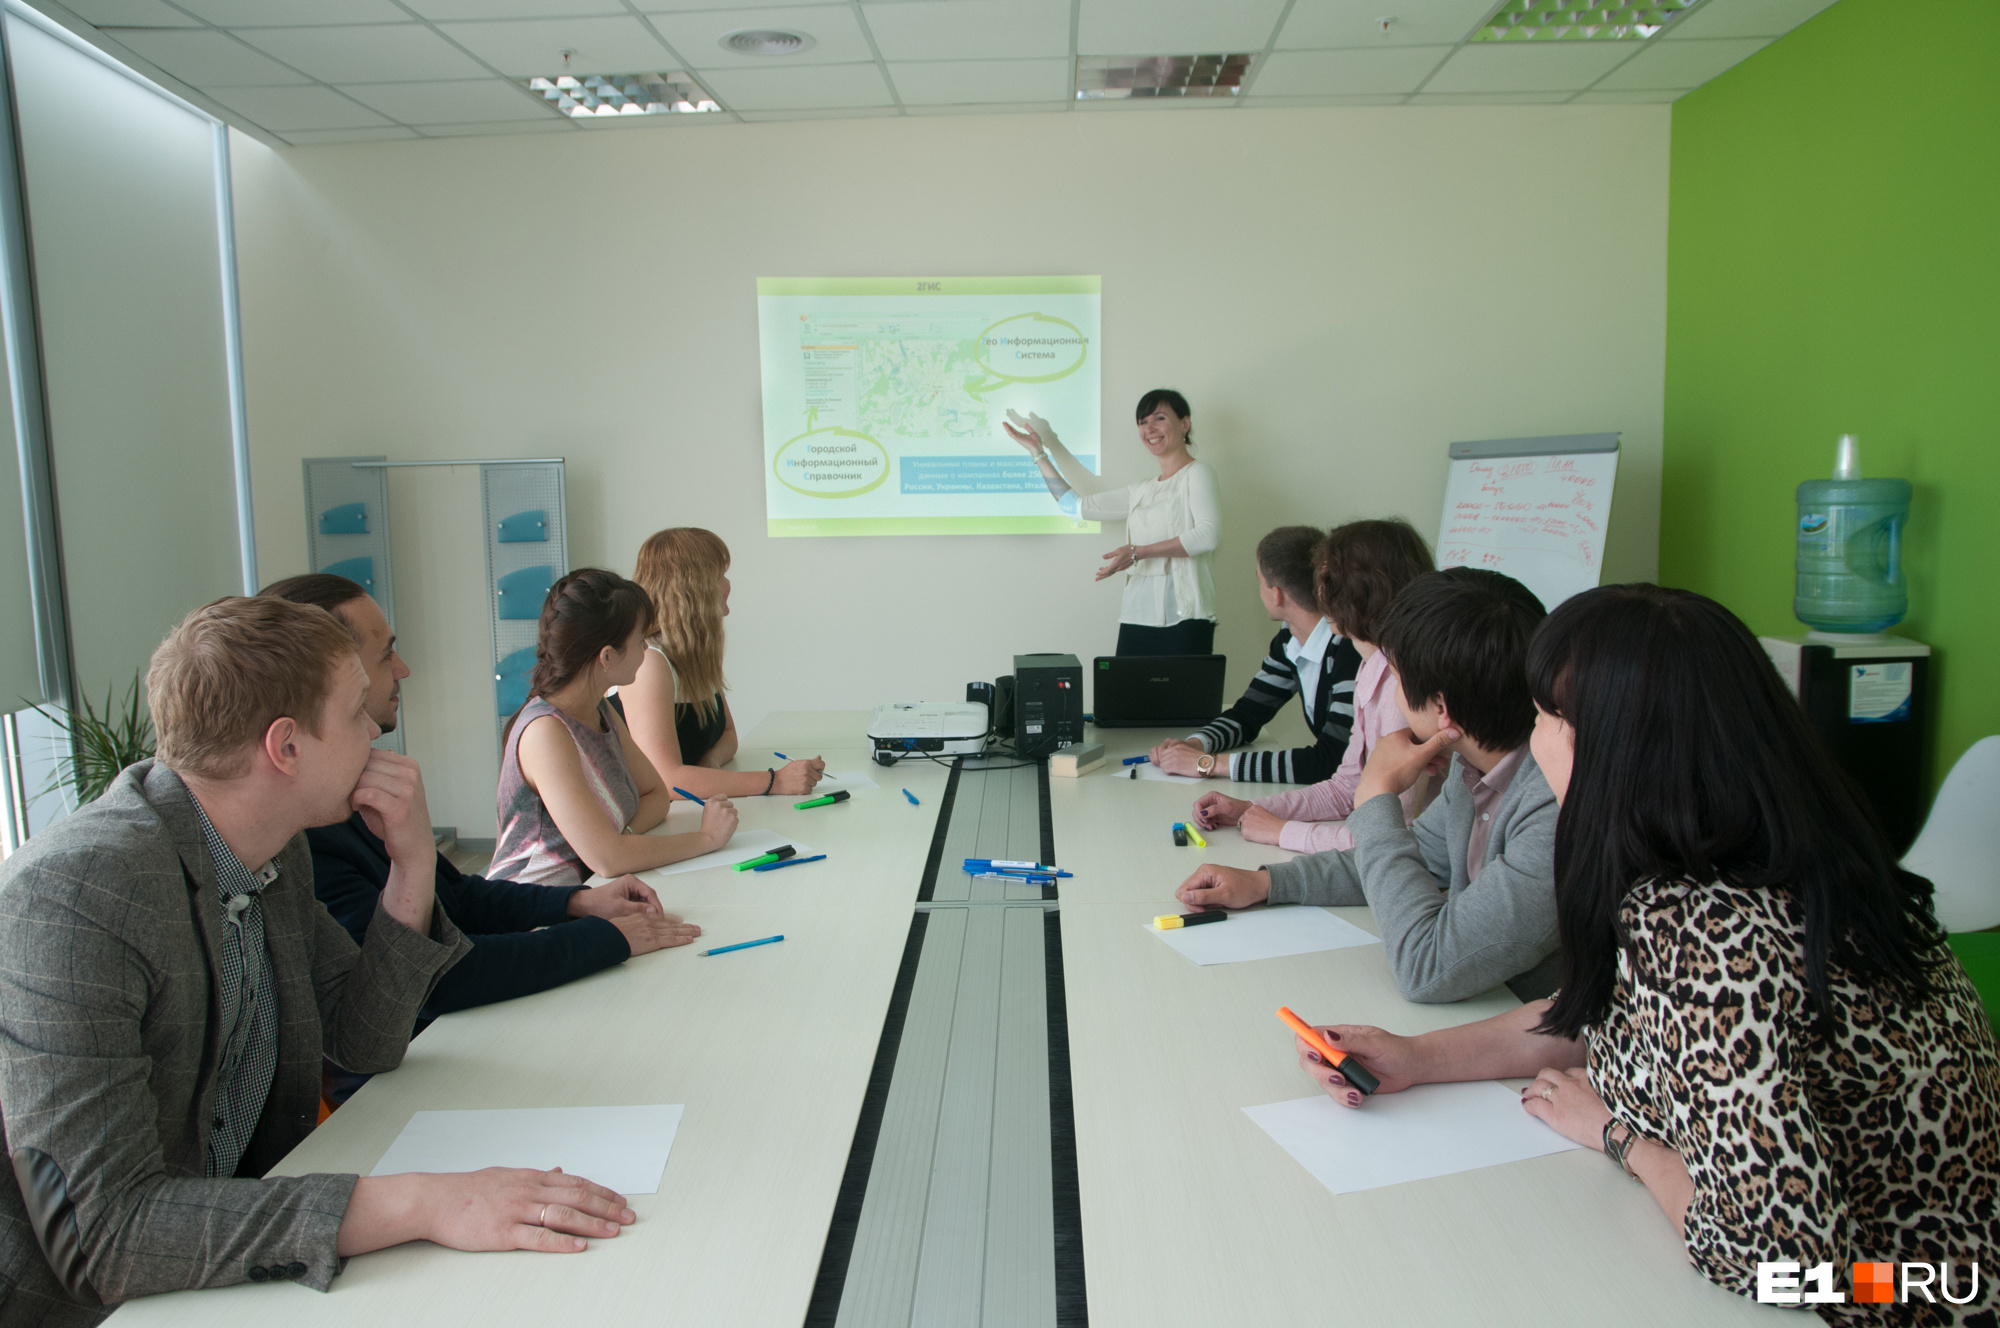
[(764, 41), (1581, 20), (1109, 78)]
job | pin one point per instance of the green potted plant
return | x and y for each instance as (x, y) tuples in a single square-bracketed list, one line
[(100, 745)]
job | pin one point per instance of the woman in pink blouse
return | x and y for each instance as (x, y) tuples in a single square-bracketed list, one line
[(1358, 570)]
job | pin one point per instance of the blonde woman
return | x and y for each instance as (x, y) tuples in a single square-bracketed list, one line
[(676, 708)]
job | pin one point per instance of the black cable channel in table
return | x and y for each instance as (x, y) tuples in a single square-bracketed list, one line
[(936, 858), (831, 1281), (1071, 1309)]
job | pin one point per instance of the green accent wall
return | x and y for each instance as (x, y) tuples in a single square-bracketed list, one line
[(1834, 267)]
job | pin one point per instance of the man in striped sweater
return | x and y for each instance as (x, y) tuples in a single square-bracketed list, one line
[(1307, 659)]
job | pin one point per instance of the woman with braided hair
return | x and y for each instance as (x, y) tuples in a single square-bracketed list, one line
[(577, 795)]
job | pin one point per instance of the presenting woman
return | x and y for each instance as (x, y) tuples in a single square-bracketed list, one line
[(676, 707), (1760, 1021), (1172, 525)]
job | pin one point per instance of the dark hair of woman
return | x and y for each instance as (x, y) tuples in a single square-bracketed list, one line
[(1694, 763), (1172, 400), (1360, 568), (582, 614)]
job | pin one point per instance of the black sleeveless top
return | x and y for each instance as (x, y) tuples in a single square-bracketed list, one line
[(695, 734)]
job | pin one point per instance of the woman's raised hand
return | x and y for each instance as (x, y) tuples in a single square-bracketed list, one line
[(1032, 432)]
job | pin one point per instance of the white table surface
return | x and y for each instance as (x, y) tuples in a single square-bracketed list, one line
[(1192, 1215)]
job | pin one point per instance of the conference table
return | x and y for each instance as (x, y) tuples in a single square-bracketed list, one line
[(1189, 1213)]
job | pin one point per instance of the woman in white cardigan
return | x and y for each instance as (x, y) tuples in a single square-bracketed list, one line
[(1172, 525)]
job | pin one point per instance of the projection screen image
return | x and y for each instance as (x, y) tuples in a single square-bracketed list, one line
[(883, 399)]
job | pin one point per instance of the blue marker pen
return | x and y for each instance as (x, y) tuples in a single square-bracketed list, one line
[(1137, 760), (781, 756), (912, 797), (741, 945), (787, 862), (699, 802)]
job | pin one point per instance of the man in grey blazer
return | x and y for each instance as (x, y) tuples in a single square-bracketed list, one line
[(1464, 896), (168, 984)]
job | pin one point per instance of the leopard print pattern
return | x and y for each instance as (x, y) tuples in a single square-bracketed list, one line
[(1879, 1142)]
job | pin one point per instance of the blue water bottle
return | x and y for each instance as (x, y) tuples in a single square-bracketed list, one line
[(1850, 551)]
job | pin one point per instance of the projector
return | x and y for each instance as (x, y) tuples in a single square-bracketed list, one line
[(927, 728)]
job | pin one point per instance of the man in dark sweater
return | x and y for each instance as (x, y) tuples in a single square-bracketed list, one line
[(525, 938), (1307, 659)]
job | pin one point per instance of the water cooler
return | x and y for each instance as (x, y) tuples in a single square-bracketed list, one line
[(1866, 692)]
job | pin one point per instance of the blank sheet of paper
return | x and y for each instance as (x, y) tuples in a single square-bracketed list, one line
[(623, 1148), (1264, 933), (1429, 1130), (854, 781), (742, 846), (1147, 770)]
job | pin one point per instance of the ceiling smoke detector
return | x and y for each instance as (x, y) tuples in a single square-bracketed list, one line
[(764, 41)]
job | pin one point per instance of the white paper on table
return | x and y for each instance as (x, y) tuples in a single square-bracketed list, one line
[(1429, 1130), (852, 780), (621, 1148), (742, 846), (1264, 933), (1147, 770)]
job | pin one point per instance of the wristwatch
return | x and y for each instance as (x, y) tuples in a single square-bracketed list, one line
[(1620, 1150), (1203, 764)]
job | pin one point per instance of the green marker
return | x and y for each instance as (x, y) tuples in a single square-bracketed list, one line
[(775, 855), (839, 796)]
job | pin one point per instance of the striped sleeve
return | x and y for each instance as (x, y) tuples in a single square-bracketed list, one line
[(1276, 683)]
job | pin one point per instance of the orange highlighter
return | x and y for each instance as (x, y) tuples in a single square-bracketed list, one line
[(1350, 1069)]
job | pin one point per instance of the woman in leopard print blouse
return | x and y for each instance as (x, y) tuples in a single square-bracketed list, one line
[(1760, 1022)]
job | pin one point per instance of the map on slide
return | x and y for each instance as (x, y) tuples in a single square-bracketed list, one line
[(883, 401)]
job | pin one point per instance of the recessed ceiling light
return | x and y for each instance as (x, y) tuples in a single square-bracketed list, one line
[(1111, 78), (607, 96), (764, 41), (1581, 20)]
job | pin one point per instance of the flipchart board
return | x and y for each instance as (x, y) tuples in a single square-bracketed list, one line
[(1534, 508)]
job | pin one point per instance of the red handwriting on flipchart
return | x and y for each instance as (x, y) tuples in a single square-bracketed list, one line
[(1524, 505)]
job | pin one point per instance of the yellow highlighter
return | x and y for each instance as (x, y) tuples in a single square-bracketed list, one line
[(1195, 835)]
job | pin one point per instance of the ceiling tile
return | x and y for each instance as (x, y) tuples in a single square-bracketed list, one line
[(551, 125), (131, 14), (1653, 98), (1681, 64), (1175, 27), (1488, 98), (286, 13), (205, 59), (523, 48), (837, 37), (1746, 18), (443, 10), (964, 30), (826, 113), (991, 108), (309, 137), (960, 82), (1253, 101), (282, 109), (799, 87), (449, 103), (1318, 24), (1323, 73), (1565, 66), (375, 54)]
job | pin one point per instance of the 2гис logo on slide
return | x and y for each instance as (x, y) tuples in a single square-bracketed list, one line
[(1786, 1282)]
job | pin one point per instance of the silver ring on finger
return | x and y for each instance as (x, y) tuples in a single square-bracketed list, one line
[(543, 1220), (1548, 1092)]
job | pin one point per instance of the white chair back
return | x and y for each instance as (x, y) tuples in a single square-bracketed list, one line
[(1959, 849)]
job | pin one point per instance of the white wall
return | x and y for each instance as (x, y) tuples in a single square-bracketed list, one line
[(1339, 292)]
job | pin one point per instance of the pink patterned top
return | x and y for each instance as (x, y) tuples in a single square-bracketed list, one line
[(1307, 810), (531, 846)]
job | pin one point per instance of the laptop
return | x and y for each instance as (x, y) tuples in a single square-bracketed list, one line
[(1153, 691)]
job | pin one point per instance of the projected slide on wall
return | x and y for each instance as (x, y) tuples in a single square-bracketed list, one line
[(883, 399)]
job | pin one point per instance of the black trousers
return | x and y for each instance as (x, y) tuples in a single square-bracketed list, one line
[(1189, 636)]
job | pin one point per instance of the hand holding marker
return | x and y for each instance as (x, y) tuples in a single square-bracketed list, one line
[(1350, 1069)]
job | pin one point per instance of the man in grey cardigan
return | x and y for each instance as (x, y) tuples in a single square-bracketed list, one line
[(169, 984), (1465, 896)]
